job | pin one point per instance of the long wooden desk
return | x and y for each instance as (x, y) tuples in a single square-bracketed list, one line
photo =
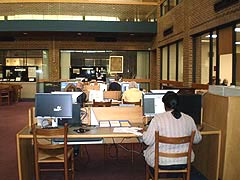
[(207, 152)]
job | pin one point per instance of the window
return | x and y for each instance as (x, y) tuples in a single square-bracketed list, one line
[(26, 58), (172, 62), (167, 5), (237, 46)]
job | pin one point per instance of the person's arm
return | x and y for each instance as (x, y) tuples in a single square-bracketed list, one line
[(198, 136), (149, 135)]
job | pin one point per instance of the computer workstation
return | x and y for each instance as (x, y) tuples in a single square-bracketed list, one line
[(52, 110), (190, 104), (135, 116)]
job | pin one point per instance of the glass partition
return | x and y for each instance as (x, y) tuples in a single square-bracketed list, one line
[(15, 62), (135, 64)]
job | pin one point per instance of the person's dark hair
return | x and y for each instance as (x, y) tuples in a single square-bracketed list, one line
[(171, 100)]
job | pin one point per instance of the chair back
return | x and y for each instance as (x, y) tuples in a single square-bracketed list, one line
[(5, 91), (102, 103), (41, 135), (138, 103), (173, 140)]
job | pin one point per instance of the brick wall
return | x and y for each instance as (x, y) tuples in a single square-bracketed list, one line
[(189, 18)]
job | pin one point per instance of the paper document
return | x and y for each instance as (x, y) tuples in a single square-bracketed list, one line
[(133, 130), (104, 124), (115, 123)]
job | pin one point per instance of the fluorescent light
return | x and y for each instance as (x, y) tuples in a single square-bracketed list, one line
[(237, 29), (238, 42)]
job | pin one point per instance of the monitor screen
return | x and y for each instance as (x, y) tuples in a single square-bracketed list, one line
[(95, 94), (53, 105), (191, 104), (125, 86), (64, 84), (74, 95), (152, 104), (163, 90)]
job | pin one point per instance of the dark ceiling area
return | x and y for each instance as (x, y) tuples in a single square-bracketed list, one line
[(75, 36)]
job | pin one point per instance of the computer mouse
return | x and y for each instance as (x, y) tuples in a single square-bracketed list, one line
[(80, 130)]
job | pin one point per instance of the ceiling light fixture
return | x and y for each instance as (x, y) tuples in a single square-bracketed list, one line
[(213, 36), (237, 29)]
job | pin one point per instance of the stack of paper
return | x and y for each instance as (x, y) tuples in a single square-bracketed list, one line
[(125, 123), (104, 124), (115, 123)]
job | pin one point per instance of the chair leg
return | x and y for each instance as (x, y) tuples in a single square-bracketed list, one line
[(132, 152), (66, 170), (147, 173), (72, 167), (37, 172)]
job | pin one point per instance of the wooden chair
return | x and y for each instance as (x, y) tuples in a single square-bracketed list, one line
[(102, 104), (135, 103), (46, 152), (171, 140), (5, 96)]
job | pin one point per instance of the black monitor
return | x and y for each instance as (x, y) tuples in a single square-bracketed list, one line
[(74, 94), (152, 104), (53, 105), (191, 104), (76, 117)]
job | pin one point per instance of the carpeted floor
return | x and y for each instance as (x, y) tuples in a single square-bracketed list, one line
[(89, 166)]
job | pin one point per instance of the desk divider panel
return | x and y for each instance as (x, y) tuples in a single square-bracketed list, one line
[(133, 114)]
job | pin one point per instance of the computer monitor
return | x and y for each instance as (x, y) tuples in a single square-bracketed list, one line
[(53, 105), (191, 104), (95, 94), (125, 86), (163, 90), (64, 85), (152, 104), (74, 95), (76, 117)]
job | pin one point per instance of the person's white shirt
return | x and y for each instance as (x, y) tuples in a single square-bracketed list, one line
[(169, 126)]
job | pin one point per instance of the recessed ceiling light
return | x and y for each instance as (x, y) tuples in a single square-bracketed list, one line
[(25, 33), (79, 34)]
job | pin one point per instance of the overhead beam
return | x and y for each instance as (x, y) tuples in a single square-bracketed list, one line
[(116, 2)]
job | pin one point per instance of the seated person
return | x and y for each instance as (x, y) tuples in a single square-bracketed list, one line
[(114, 85), (133, 94), (225, 82), (171, 123), (83, 97)]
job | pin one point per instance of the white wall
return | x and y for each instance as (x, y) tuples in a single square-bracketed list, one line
[(65, 64)]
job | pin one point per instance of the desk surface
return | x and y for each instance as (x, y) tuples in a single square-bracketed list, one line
[(97, 132), (94, 132)]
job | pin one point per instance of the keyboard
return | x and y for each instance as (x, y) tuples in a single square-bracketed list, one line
[(79, 141)]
